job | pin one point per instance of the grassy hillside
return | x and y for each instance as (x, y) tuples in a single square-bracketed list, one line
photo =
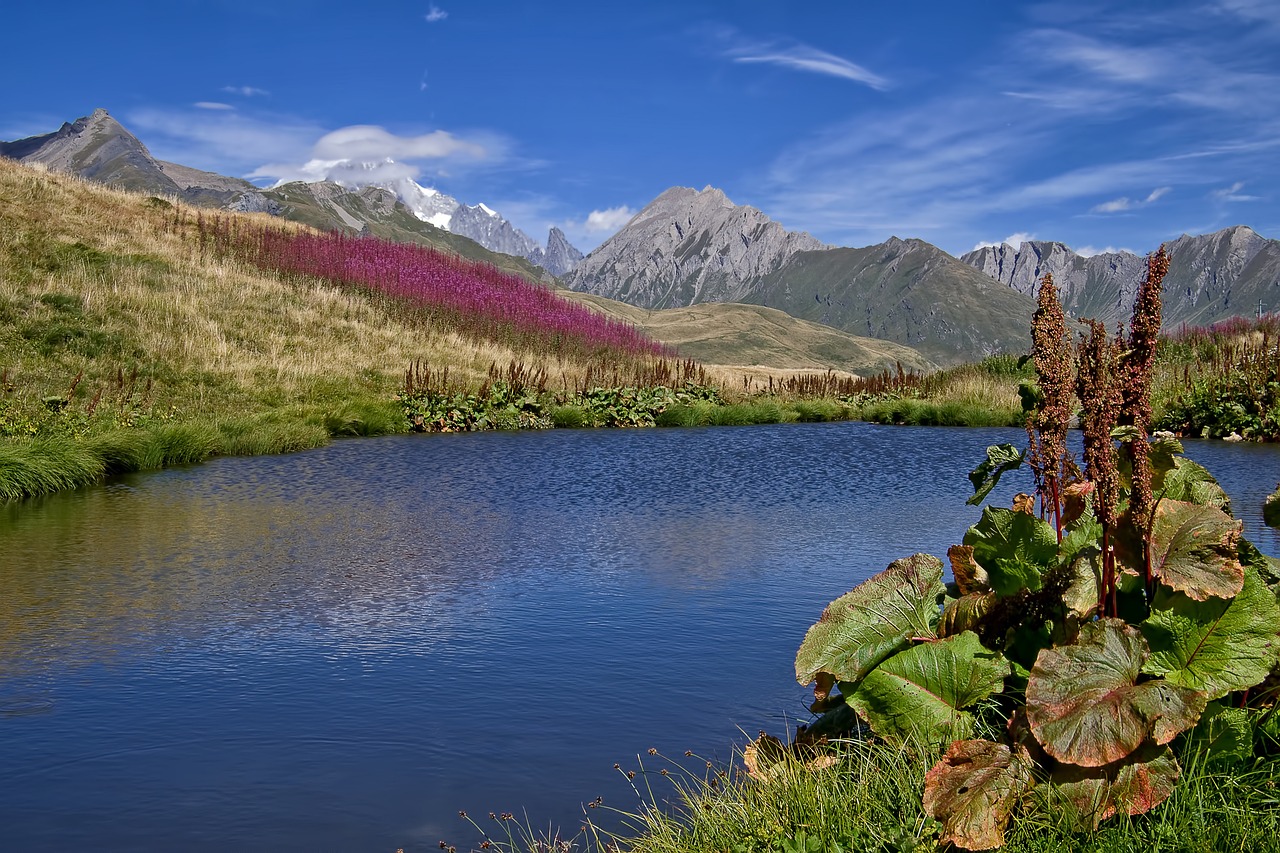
[(905, 291), (730, 334), (111, 308), (377, 211)]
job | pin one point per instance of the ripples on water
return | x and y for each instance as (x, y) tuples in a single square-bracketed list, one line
[(339, 649)]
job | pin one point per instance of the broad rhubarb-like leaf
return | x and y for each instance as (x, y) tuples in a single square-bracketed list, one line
[(877, 618), (1014, 547), (1086, 707), (1131, 787), (1000, 458), (921, 693), (1191, 482), (1193, 550), (1216, 646), (973, 790)]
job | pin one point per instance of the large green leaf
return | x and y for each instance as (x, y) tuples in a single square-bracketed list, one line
[(1000, 458), (1216, 646), (973, 789), (1194, 550), (1086, 707), (1014, 547), (1223, 734), (920, 693), (877, 618), (1191, 482), (1091, 795)]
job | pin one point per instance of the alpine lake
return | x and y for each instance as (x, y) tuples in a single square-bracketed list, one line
[(343, 648)]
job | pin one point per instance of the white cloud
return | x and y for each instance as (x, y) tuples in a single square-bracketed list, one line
[(609, 220), (1014, 240), (805, 58), (246, 91), (276, 148), (435, 14), (1090, 251), (212, 105), (1113, 206), (1232, 193), (1125, 203), (368, 142)]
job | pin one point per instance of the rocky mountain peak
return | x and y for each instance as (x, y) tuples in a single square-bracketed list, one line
[(560, 256), (688, 246)]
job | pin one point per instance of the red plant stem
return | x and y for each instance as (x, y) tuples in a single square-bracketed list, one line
[(1057, 506)]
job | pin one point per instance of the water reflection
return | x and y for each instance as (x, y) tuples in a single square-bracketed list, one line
[(339, 649)]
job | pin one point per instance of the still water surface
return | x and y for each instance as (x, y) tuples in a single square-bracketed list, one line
[(339, 649)]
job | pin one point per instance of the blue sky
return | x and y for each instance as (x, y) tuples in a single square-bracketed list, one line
[(1098, 124)]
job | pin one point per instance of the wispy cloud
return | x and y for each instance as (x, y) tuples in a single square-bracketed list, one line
[(246, 91), (1232, 193), (805, 58), (1125, 203), (795, 56), (212, 105), (1092, 120), (435, 14)]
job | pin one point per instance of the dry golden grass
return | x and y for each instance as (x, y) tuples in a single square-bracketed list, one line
[(213, 333), (755, 338)]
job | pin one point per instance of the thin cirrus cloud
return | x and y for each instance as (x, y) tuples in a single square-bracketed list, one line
[(246, 91), (795, 56), (435, 14), (1125, 203), (1092, 121), (212, 105), (1232, 193)]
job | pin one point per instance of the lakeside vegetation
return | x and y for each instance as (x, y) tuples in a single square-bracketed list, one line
[(1097, 675)]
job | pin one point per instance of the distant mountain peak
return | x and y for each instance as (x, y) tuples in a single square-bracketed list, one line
[(688, 246)]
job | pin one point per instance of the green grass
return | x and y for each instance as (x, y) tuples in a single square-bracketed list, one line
[(869, 802)]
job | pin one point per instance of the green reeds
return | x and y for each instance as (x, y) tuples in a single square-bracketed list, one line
[(45, 465)]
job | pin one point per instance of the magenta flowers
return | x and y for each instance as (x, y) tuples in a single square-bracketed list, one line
[(470, 296)]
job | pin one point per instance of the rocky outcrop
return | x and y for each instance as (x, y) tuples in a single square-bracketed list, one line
[(688, 246), (1211, 277), (491, 231), (560, 256)]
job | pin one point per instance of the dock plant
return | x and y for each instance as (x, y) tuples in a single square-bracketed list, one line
[(1081, 651)]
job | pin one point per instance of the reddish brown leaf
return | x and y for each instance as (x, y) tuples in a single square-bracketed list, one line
[(970, 577), (973, 790)]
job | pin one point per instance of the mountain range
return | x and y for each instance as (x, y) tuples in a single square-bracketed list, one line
[(99, 148), (689, 247), (1211, 277)]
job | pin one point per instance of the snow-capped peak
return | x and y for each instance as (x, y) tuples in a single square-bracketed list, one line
[(486, 209)]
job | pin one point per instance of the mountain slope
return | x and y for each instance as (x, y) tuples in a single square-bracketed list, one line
[(1211, 277), (685, 247), (733, 334), (690, 247), (906, 291)]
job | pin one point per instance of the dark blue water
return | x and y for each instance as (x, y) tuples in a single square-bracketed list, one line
[(339, 649)]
